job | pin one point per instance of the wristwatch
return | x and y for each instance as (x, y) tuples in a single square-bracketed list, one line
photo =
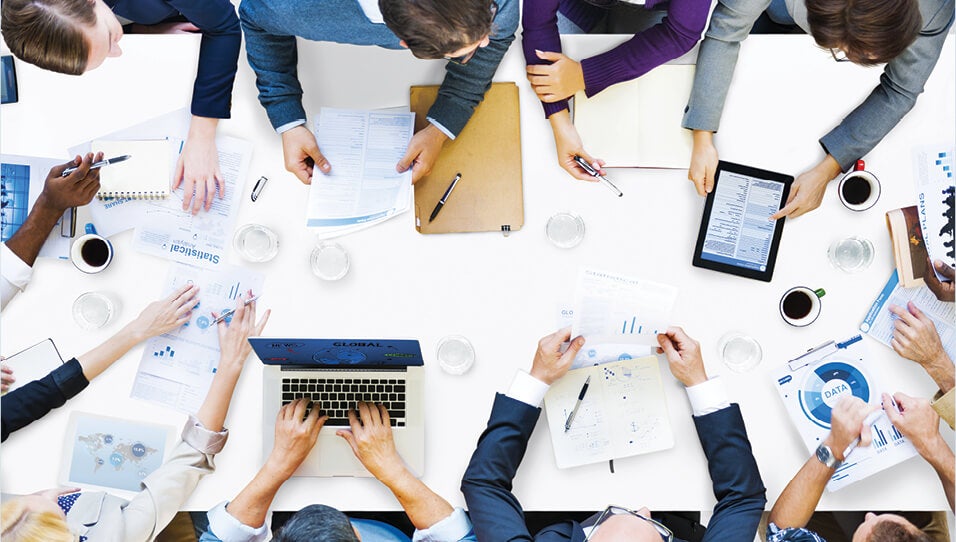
[(825, 455)]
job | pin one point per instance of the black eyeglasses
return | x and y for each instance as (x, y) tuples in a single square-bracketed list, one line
[(666, 534), (463, 59), (838, 55)]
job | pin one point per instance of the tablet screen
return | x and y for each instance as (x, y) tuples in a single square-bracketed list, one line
[(740, 232)]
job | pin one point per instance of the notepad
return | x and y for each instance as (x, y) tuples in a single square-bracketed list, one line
[(144, 176), (33, 363), (638, 123)]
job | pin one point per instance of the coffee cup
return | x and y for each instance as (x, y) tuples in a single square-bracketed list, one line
[(859, 189), (800, 306), (91, 253)]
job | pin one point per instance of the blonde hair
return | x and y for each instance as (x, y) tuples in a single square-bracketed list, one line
[(19, 523)]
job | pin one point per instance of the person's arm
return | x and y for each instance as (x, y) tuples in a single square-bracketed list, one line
[(799, 499), (919, 423), (539, 32), (33, 400)]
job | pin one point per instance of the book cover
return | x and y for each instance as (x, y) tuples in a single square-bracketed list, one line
[(909, 249)]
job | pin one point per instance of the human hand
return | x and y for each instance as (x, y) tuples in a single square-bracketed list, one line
[(846, 424), (683, 356), (371, 440), (808, 190), (6, 378), (76, 189), (198, 167), (915, 418), (295, 435), (549, 363), (165, 28), (422, 152), (556, 81), (166, 314), (914, 335), (301, 153), (943, 290), (568, 144), (234, 333), (703, 162)]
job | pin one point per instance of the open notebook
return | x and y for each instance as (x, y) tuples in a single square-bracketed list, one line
[(145, 175), (638, 123)]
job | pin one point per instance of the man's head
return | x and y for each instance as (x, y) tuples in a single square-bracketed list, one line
[(65, 36), (439, 28), (317, 523), (868, 31), (626, 528), (888, 528)]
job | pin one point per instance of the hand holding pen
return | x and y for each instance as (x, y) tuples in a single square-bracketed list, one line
[(592, 171), (100, 163), (73, 190)]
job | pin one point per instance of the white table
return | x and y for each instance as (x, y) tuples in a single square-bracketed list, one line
[(501, 293)]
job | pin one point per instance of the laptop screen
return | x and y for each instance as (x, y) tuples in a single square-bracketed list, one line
[(338, 352)]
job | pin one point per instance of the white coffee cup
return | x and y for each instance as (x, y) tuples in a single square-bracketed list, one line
[(859, 189), (91, 253), (801, 306)]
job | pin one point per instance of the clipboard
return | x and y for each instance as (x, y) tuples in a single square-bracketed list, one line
[(487, 153)]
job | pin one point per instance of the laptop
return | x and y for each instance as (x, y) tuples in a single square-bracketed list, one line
[(337, 373)]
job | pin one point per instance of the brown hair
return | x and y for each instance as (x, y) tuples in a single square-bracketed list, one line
[(48, 33), (891, 531), (21, 524), (434, 28), (868, 31)]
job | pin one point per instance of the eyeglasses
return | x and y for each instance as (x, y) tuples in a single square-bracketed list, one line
[(463, 59), (666, 534), (839, 55)]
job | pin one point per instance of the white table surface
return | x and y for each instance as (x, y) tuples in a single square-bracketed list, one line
[(501, 293)]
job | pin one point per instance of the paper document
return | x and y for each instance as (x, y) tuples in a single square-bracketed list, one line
[(880, 323), (33, 363), (363, 186), (23, 178), (177, 367), (936, 187), (624, 413)]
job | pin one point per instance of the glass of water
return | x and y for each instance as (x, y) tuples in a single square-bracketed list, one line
[(93, 310), (455, 354), (852, 254), (256, 243), (739, 352), (565, 230), (330, 261)]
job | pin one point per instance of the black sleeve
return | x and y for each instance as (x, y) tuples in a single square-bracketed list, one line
[(29, 403)]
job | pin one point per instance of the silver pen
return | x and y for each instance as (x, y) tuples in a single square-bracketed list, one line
[(577, 405), (98, 165), (597, 174), (230, 312)]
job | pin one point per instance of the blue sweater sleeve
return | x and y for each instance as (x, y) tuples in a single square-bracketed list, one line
[(29, 403)]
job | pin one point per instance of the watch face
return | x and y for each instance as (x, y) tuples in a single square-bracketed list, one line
[(825, 456)]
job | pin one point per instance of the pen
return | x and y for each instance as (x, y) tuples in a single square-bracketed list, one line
[(869, 420), (577, 405), (597, 174), (101, 163), (230, 312), (441, 202), (257, 189)]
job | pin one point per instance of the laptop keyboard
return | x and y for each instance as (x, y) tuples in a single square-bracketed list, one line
[(336, 396)]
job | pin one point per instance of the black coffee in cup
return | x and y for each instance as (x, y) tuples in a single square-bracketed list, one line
[(95, 252), (856, 190), (797, 305)]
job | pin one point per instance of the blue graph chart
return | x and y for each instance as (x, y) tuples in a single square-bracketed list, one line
[(945, 162), (825, 384), (14, 198), (167, 353)]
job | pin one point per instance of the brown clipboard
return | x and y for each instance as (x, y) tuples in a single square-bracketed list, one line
[(487, 153)]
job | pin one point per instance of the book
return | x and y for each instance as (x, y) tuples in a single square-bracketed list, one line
[(33, 363), (145, 175), (637, 123), (909, 249), (936, 200), (624, 413)]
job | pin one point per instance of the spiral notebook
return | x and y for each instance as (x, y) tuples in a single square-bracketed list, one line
[(145, 175)]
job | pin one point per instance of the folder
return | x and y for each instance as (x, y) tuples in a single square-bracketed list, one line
[(487, 153)]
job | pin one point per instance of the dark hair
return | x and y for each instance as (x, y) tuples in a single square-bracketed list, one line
[(868, 31), (48, 33), (891, 531), (317, 523), (434, 28)]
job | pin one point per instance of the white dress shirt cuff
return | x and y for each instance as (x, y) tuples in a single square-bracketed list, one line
[(707, 397), (527, 389), (438, 125), (229, 529), (289, 125), (454, 526), (15, 270)]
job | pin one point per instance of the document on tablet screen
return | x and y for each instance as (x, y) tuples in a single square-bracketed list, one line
[(740, 232)]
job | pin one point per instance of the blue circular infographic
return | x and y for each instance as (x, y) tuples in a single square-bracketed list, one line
[(824, 387), (107, 439), (116, 459), (138, 449), (202, 322)]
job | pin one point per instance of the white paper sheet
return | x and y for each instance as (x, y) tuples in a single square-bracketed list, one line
[(177, 367), (934, 172)]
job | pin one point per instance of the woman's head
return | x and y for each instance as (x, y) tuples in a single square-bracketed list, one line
[(65, 36), (34, 517)]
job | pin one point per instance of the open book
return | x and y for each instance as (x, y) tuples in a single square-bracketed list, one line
[(637, 123), (624, 413), (909, 250)]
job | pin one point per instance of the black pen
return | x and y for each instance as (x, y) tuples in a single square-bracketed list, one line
[(577, 405), (98, 165), (597, 174), (441, 202)]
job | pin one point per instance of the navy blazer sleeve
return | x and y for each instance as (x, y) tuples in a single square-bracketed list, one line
[(29, 403), (740, 493)]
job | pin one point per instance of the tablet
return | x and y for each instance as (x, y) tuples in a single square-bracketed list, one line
[(736, 233)]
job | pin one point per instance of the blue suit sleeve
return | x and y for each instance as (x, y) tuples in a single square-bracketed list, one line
[(739, 490), (29, 403)]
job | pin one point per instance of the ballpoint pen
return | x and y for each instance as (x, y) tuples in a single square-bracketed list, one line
[(597, 174), (441, 202), (869, 420), (230, 312), (577, 405), (101, 163)]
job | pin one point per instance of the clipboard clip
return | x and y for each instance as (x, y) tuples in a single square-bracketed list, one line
[(506, 229), (821, 352)]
